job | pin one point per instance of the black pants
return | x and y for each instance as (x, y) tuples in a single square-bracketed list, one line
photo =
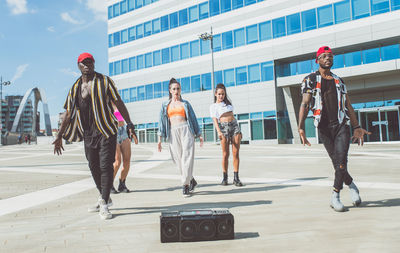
[(101, 158), (336, 139)]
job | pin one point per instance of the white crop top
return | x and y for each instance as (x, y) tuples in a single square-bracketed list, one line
[(217, 109)]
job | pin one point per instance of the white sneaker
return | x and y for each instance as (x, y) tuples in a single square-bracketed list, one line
[(335, 202), (104, 212), (96, 208), (354, 194)]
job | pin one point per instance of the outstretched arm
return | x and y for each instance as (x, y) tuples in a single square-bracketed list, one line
[(358, 133), (58, 141), (303, 112)]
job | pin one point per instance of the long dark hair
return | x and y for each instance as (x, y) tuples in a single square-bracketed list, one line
[(226, 99), (173, 80)]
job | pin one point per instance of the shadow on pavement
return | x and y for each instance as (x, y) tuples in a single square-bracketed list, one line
[(244, 189), (191, 206), (246, 235), (380, 203)]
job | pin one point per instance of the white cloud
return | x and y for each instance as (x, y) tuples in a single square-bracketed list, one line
[(99, 8), (70, 72), (18, 6), (67, 18), (18, 73), (51, 29)]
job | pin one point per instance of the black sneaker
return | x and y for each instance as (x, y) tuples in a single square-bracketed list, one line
[(224, 182), (113, 191), (122, 187), (185, 191), (192, 185), (237, 182)]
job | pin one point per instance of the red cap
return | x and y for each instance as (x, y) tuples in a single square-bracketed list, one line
[(321, 50), (84, 56)]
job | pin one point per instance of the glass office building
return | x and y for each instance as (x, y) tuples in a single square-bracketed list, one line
[(262, 49)]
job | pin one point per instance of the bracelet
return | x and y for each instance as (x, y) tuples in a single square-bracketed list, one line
[(356, 127)]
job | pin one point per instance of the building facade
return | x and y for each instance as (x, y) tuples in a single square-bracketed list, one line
[(262, 50), (9, 110)]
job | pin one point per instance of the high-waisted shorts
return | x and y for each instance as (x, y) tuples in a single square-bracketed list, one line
[(229, 129), (122, 134)]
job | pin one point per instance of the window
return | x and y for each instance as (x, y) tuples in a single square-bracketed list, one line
[(251, 34), (342, 11), (165, 55), (278, 26), (125, 95), (241, 75), (124, 36), (308, 20), (257, 129), (147, 28), (110, 12), (218, 77), (248, 2), (116, 10), (174, 53), (395, 4), (156, 58), (140, 93), (338, 61), (111, 69), (217, 42), (265, 31), (149, 91), (193, 14), (184, 51), (124, 7), (157, 90), (117, 68), (131, 5), (183, 17), (132, 33), (304, 67), (133, 94), (229, 77), (390, 52), (270, 129), (293, 23), (226, 5), (214, 7), (139, 62), (139, 31), (146, 2), (227, 40), (195, 83), (148, 59), (124, 66), (267, 71), (139, 3), (206, 81), (117, 39), (254, 73), (205, 47), (165, 88), (185, 85), (371, 55), (156, 25), (352, 59), (237, 4), (203, 10), (132, 64), (173, 20), (379, 6), (164, 23), (194, 48), (360, 8), (110, 40), (239, 37), (325, 16)]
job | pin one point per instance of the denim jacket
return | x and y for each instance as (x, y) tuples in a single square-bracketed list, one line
[(164, 125)]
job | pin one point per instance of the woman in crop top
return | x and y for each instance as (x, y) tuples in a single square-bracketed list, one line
[(122, 153), (228, 132), (178, 125)]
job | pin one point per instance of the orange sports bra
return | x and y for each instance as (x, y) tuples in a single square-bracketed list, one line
[(178, 111)]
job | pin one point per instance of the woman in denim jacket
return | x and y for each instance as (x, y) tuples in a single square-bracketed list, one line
[(178, 125)]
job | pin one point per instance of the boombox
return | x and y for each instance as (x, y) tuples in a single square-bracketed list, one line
[(196, 225)]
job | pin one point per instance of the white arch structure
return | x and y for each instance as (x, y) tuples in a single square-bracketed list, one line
[(39, 96)]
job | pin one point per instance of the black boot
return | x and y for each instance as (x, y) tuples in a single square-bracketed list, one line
[(236, 180), (113, 191), (122, 187), (225, 179)]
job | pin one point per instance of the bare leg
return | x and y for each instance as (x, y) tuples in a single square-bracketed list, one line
[(126, 158), (117, 162), (225, 154), (235, 151)]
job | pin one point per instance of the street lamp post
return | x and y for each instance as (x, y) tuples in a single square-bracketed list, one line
[(207, 36), (1, 107)]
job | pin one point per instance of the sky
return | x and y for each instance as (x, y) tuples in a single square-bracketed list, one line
[(40, 41)]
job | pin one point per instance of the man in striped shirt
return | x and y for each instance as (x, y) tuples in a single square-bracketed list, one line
[(326, 95), (89, 117)]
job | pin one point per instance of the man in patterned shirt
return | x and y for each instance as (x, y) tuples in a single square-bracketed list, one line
[(326, 95), (89, 117)]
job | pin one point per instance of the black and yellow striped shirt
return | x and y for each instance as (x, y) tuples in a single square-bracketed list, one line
[(102, 94)]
